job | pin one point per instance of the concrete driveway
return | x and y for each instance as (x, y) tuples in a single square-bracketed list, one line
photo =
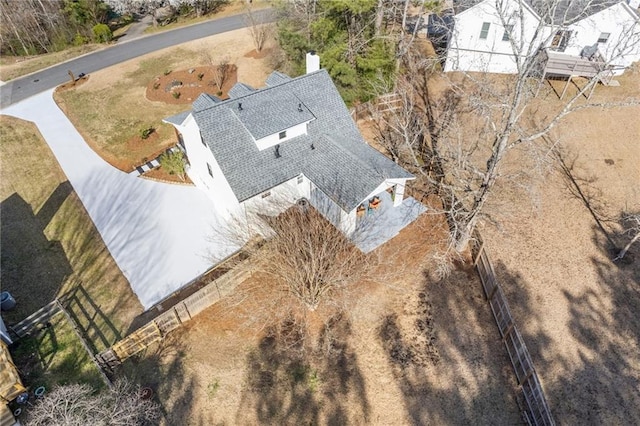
[(157, 233)]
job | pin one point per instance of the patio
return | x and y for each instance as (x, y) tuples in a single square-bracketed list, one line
[(377, 226)]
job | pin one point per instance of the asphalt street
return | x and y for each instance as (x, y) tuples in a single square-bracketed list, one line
[(25, 87)]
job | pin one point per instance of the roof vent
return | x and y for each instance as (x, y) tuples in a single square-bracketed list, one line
[(300, 107), (239, 106), (313, 146), (278, 151)]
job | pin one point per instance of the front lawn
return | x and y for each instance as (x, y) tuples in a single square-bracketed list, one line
[(50, 246)]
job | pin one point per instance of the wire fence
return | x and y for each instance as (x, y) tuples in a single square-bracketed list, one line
[(536, 410)]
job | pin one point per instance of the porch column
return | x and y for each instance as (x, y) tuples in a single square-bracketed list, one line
[(398, 194)]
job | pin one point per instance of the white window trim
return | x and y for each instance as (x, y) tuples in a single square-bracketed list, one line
[(484, 30)]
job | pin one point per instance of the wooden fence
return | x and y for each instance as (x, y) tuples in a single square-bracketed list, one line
[(44, 315), (41, 316), (173, 318), (383, 103), (536, 410)]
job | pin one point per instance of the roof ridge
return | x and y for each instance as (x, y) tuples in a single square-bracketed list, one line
[(264, 89)]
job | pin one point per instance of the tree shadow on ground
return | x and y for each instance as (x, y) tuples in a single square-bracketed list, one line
[(291, 380), (601, 387), (522, 306), (33, 267), (161, 368), (447, 357)]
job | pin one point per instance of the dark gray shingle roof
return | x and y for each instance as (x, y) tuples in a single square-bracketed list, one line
[(204, 101), (178, 118), (341, 164), (240, 89), (565, 12), (265, 114), (561, 12), (276, 78)]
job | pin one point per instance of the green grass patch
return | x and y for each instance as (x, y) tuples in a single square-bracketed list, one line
[(55, 355), (50, 246), (12, 67), (111, 118)]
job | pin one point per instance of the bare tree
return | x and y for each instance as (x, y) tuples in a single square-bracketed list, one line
[(496, 113), (221, 71), (305, 251), (78, 404), (258, 28)]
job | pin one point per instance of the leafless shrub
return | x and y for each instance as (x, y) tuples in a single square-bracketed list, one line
[(258, 28), (79, 404)]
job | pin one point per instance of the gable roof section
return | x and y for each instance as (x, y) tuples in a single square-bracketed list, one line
[(340, 163), (566, 12), (562, 12), (276, 78), (240, 89), (204, 101), (178, 119), (265, 114)]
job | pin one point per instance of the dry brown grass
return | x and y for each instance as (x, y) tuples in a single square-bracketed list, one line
[(13, 67), (110, 109), (409, 351), (576, 308)]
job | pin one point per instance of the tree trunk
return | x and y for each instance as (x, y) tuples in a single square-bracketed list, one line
[(626, 248), (379, 17)]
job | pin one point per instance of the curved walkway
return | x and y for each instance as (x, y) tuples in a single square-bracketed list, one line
[(157, 233)]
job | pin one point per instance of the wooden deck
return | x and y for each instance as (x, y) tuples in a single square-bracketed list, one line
[(560, 64)]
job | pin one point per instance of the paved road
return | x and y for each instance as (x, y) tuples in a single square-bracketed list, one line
[(25, 87)]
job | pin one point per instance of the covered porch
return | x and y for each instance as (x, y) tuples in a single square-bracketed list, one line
[(378, 220)]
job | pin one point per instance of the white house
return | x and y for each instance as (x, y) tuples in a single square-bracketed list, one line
[(292, 139), (489, 35)]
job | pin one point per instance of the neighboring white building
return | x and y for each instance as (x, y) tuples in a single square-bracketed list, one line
[(292, 139), (489, 35)]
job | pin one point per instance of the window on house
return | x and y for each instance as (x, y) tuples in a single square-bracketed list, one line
[(300, 179), (282, 135), (507, 32), (603, 37), (202, 140), (266, 194), (485, 30), (209, 169), (560, 40)]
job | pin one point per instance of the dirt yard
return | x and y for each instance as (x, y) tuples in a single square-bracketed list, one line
[(410, 351), (578, 310)]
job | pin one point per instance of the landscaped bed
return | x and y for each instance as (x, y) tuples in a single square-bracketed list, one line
[(115, 110)]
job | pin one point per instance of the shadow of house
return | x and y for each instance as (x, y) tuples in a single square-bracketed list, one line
[(33, 268)]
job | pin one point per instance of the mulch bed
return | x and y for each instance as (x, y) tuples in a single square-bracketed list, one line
[(184, 86)]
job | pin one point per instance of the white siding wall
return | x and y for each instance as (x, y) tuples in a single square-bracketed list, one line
[(272, 140), (280, 197), (623, 45), (216, 187), (468, 52)]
